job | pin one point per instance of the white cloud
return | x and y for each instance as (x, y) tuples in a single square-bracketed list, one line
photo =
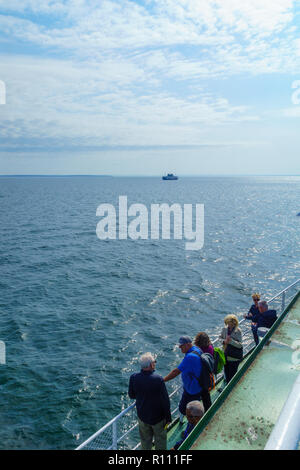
[(123, 69), (227, 36), (292, 112), (59, 99)]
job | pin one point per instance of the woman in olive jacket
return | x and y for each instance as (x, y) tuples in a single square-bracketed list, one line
[(231, 336)]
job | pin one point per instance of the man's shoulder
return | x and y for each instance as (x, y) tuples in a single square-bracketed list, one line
[(194, 349), (157, 377), (133, 376), (269, 314), (192, 355), (141, 375), (191, 360)]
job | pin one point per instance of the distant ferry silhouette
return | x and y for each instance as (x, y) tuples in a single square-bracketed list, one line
[(170, 176)]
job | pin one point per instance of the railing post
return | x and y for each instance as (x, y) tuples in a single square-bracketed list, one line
[(114, 436), (283, 301)]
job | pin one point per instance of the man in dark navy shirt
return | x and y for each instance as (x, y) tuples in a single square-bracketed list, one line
[(152, 404), (263, 321), (266, 317)]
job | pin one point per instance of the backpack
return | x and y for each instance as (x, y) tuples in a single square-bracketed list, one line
[(206, 379), (220, 360)]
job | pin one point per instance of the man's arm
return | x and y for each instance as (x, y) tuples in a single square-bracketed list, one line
[(131, 391), (166, 403), (172, 375)]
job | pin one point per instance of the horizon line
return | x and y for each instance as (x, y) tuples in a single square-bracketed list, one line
[(142, 175)]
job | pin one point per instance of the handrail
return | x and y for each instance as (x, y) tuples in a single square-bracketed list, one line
[(245, 365), (284, 290), (286, 433), (106, 426), (112, 422)]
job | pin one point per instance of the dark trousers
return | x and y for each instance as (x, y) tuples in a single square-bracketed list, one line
[(255, 335), (206, 400), (186, 398), (230, 369), (150, 431)]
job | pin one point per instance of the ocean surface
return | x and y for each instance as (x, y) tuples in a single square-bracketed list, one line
[(76, 312)]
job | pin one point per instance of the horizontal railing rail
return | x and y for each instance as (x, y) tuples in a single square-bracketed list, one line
[(109, 437)]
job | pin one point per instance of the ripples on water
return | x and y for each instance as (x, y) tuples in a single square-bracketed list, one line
[(77, 312)]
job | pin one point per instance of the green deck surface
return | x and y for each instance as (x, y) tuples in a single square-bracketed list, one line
[(247, 416)]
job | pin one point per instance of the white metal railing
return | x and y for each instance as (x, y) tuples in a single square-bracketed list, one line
[(98, 440), (110, 436)]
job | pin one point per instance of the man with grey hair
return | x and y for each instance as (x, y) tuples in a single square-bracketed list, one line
[(152, 404), (194, 412), (264, 320), (266, 317)]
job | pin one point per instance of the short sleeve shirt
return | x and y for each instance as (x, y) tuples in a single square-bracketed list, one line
[(190, 368)]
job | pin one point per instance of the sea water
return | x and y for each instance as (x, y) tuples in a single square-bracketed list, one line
[(76, 312)]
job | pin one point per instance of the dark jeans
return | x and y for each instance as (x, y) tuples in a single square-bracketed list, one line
[(230, 369), (206, 400), (255, 335), (186, 398)]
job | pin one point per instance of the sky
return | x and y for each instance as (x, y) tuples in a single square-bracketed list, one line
[(128, 87)]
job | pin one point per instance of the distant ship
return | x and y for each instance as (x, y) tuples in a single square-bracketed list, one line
[(170, 176)]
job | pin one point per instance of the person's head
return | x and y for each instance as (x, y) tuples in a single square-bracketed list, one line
[(231, 321), (185, 344), (194, 411), (255, 298), (262, 306), (202, 340), (147, 361)]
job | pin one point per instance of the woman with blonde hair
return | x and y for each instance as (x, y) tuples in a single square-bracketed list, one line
[(231, 336)]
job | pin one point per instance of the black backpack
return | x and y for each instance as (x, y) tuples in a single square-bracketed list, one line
[(206, 379)]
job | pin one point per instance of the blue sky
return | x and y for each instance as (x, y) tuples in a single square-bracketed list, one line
[(145, 87)]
